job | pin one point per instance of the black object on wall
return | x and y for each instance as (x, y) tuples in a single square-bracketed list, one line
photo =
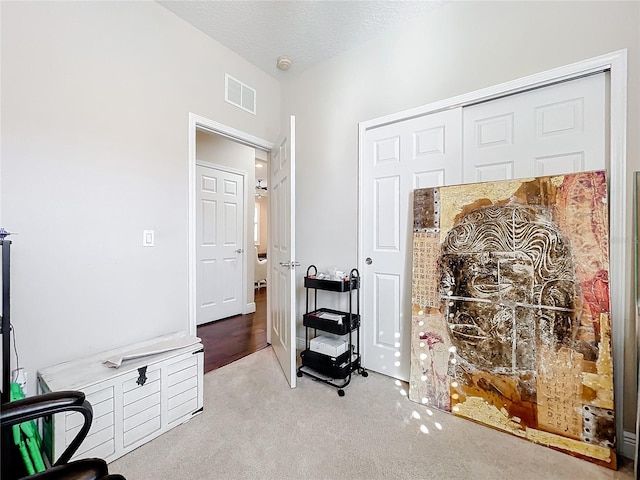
[(6, 316)]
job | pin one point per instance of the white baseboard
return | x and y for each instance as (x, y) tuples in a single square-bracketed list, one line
[(628, 449), (250, 308)]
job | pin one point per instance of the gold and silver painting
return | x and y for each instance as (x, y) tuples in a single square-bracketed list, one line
[(511, 322)]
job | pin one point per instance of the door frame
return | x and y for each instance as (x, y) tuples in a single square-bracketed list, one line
[(245, 212), (616, 64), (197, 122)]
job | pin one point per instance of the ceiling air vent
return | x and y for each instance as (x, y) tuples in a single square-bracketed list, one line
[(239, 94)]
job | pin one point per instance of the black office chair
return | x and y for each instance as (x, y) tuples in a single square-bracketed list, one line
[(31, 408)]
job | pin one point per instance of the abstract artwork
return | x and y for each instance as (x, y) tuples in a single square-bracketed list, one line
[(511, 322)]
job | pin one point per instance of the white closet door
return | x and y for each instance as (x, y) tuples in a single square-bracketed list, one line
[(418, 153), (548, 131)]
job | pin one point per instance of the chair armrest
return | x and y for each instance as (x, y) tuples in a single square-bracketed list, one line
[(30, 408), (85, 469)]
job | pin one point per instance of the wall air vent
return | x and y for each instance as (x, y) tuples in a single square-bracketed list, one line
[(239, 94)]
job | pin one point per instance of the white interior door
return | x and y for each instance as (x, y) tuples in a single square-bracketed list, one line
[(282, 252), (419, 153), (220, 220), (551, 130), (547, 131)]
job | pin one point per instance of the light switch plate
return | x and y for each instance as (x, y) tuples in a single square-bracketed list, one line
[(148, 238)]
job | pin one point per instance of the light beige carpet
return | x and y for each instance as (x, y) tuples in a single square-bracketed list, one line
[(255, 427)]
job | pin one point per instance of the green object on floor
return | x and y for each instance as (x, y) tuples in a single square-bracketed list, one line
[(27, 438)]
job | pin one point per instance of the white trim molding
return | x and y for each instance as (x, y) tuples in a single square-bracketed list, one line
[(250, 308), (616, 64)]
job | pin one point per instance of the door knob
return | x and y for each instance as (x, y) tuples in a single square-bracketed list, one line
[(368, 261), (239, 250)]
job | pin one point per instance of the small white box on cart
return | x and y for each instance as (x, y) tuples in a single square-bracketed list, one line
[(332, 346)]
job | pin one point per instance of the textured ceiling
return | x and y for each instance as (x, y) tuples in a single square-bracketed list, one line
[(309, 32)]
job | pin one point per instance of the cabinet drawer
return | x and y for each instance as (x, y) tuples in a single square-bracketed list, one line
[(141, 405), (141, 431)]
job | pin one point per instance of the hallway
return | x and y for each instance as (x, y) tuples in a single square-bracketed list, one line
[(232, 338)]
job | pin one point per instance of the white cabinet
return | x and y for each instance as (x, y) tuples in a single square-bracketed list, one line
[(132, 404)]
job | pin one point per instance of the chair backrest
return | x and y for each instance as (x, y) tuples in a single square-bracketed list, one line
[(39, 406), (260, 268)]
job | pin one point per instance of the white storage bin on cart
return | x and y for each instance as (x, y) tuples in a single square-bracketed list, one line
[(328, 345)]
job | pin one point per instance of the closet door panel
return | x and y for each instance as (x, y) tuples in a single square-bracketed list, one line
[(421, 152), (547, 131)]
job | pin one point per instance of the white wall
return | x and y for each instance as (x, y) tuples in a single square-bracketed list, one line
[(94, 103), (218, 150), (262, 173), (462, 47), (263, 234)]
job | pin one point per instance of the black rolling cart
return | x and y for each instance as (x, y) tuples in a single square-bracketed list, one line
[(332, 360)]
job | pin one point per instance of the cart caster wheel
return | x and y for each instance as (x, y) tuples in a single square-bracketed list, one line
[(364, 373), (299, 374), (341, 393)]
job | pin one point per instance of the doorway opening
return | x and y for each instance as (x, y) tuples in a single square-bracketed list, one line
[(281, 325), (238, 332)]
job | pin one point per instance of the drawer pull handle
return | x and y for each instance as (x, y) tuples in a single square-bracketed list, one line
[(142, 377)]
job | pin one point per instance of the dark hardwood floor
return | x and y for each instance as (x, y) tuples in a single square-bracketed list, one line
[(232, 338)]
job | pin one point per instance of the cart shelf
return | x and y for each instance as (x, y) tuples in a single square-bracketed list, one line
[(345, 285), (324, 319)]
